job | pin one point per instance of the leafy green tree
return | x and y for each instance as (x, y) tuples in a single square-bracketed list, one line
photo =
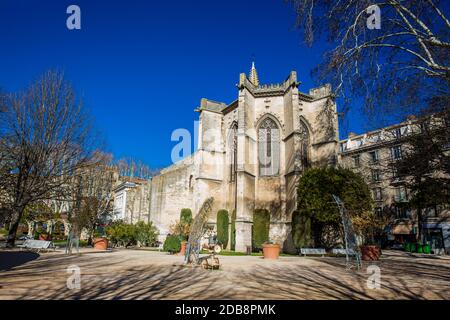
[(222, 227), (315, 200)]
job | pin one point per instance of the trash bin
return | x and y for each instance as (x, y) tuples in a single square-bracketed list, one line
[(419, 248), (407, 247), (426, 249), (413, 247)]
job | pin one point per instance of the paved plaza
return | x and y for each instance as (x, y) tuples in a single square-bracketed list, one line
[(143, 274)]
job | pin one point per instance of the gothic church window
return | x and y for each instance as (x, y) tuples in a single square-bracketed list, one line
[(233, 151), (269, 148), (304, 145)]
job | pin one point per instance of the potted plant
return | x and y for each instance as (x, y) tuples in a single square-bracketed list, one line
[(44, 236), (100, 241), (172, 244), (271, 250), (367, 223), (370, 252), (183, 248)]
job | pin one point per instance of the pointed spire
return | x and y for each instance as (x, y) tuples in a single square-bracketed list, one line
[(254, 75)]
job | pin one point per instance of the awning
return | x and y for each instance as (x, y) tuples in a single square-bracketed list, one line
[(402, 227)]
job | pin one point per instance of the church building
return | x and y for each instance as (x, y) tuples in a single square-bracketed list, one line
[(250, 155)]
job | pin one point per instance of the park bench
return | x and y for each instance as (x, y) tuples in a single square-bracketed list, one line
[(37, 245), (343, 252), (313, 251)]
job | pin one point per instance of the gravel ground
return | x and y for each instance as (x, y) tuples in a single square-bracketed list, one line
[(142, 274)]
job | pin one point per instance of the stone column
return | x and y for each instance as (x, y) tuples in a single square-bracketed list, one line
[(245, 180), (243, 235)]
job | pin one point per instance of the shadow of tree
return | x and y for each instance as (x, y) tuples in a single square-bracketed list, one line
[(399, 280), (113, 277), (12, 259)]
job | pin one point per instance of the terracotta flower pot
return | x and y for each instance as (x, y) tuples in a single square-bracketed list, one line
[(370, 253), (100, 243), (44, 237), (183, 248), (271, 251)]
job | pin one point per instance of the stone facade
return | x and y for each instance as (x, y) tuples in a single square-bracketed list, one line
[(250, 156)]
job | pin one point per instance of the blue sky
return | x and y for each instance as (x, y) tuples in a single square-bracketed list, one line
[(143, 66)]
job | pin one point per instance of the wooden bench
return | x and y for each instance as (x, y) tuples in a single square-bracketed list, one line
[(37, 245), (342, 252), (313, 251)]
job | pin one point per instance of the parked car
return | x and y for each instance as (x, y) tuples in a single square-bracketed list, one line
[(397, 246)]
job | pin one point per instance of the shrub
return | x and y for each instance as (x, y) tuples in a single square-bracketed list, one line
[(121, 234), (261, 226), (186, 216), (146, 233), (301, 229), (222, 227), (172, 244), (182, 228)]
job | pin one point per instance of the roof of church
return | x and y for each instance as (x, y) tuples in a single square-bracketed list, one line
[(264, 90)]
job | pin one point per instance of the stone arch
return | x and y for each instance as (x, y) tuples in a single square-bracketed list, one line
[(274, 117)]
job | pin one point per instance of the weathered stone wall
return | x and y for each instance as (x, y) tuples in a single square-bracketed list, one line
[(171, 191)]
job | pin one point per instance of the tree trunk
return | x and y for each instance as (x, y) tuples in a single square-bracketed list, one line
[(15, 220), (30, 228), (316, 233), (419, 225)]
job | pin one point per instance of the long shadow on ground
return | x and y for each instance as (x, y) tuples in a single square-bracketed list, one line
[(11, 259)]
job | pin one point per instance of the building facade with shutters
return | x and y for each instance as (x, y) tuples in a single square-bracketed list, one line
[(373, 155)]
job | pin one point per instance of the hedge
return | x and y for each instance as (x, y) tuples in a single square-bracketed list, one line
[(301, 230), (260, 229), (222, 227)]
